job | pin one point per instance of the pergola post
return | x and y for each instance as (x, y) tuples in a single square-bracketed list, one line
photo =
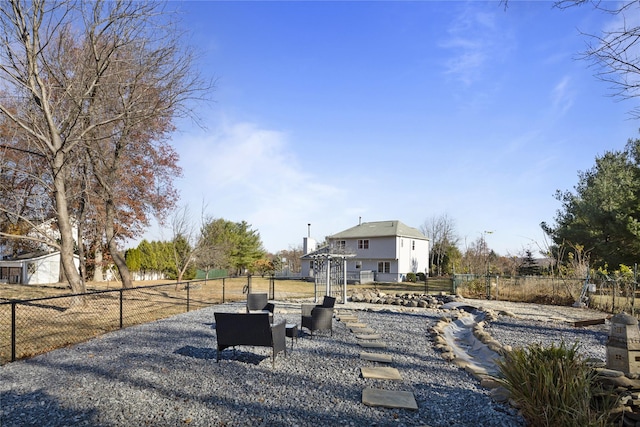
[(328, 284), (344, 278)]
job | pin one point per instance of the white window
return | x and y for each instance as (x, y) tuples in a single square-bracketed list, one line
[(413, 245), (363, 244), (341, 244), (358, 265), (384, 267)]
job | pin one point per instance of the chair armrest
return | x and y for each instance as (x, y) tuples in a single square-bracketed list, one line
[(278, 334), (307, 309)]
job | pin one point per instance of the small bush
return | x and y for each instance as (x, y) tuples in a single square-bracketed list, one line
[(411, 277), (421, 276), (553, 386)]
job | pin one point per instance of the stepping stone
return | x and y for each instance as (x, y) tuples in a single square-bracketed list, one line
[(376, 357), (369, 337), (363, 331), (389, 399), (374, 344), (381, 373), (357, 325), (348, 318)]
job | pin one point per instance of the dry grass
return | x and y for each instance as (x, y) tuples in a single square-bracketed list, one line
[(52, 323), (64, 319)]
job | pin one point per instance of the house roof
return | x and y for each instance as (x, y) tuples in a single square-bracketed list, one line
[(327, 251), (379, 229), (29, 256)]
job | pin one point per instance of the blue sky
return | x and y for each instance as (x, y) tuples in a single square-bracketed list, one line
[(325, 112)]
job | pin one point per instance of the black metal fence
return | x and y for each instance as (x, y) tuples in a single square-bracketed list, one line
[(33, 326)]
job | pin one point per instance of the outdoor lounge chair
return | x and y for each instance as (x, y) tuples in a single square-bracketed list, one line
[(328, 302), (234, 329), (259, 303), (317, 318)]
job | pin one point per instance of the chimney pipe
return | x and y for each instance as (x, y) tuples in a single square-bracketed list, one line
[(309, 230), (359, 220)]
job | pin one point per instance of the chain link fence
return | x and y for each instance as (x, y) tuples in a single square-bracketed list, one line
[(532, 289), (604, 293), (33, 326)]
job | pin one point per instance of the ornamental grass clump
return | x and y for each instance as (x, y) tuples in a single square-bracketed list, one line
[(554, 386)]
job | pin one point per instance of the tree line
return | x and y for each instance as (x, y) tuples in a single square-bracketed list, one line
[(596, 228), (218, 244), (178, 259)]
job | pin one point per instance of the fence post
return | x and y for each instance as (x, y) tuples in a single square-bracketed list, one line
[(187, 297), (272, 286), (121, 297), (223, 286), (13, 331), (248, 283), (488, 285)]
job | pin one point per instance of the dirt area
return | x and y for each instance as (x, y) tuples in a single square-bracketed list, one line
[(544, 313)]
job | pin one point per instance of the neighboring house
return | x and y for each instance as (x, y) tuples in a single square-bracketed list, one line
[(390, 249), (32, 269)]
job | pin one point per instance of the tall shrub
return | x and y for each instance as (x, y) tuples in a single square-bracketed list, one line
[(554, 386)]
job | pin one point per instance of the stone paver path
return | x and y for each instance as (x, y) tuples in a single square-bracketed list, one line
[(389, 399), (372, 344), (371, 396), (380, 373), (376, 357), (369, 337), (363, 331), (357, 325)]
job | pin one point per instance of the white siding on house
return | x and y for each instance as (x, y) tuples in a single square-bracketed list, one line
[(412, 255), (404, 248)]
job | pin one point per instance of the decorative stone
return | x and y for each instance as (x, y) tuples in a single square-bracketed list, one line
[(389, 399), (369, 337), (356, 325), (376, 357), (374, 344), (611, 373), (363, 330), (381, 373)]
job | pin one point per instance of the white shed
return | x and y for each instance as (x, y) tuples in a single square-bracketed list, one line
[(32, 269)]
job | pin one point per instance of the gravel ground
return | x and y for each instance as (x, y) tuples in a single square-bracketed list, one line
[(165, 374)]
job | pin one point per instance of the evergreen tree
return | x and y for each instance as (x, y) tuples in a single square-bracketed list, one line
[(529, 266)]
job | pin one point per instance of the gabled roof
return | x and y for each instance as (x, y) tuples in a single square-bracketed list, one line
[(379, 229), (322, 250), (327, 251)]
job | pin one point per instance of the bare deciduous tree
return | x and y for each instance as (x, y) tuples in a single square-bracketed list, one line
[(185, 240), (441, 232), (105, 78), (616, 50)]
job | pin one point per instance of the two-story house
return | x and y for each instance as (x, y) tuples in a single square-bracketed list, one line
[(390, 249)]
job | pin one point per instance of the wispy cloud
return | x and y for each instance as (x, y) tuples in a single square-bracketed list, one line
[(562, 96), (246, 172), (473, 40)]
